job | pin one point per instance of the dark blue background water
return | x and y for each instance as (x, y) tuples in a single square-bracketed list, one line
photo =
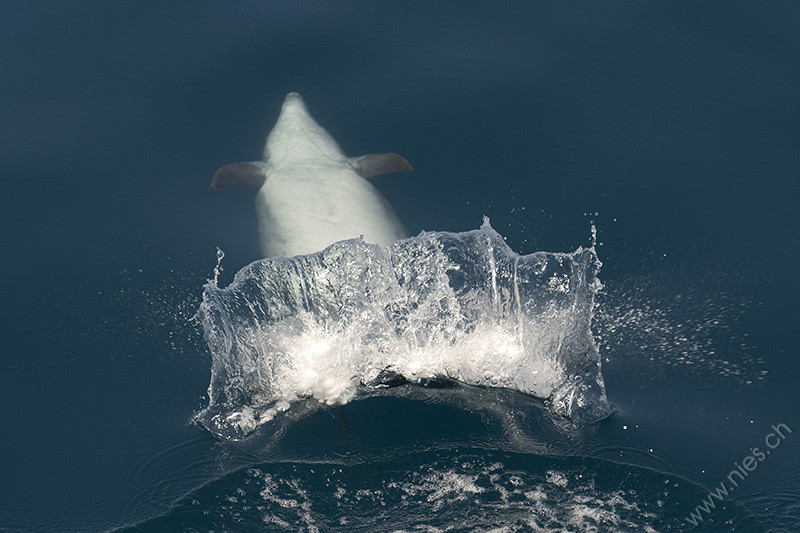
[(674, 128)]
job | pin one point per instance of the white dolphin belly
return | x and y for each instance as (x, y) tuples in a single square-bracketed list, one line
[(310, 194), (299, 214)]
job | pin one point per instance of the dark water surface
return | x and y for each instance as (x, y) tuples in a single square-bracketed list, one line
[(673, 129)]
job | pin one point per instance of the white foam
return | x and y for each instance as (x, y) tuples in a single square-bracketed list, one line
[(437, 496)]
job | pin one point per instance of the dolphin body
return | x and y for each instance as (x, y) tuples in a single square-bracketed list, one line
[(311, 194)]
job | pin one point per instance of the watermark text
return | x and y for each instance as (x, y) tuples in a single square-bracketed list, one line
[(748, 464)]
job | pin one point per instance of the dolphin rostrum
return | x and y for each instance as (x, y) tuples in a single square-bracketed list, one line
[(311, 194)]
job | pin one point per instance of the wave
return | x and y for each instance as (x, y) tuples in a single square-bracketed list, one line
[(451, 490), (441, 307)]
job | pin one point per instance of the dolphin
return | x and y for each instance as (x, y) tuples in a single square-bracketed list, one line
[(310, 194)]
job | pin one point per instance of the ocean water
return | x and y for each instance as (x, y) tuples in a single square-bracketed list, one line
[(592, 327)]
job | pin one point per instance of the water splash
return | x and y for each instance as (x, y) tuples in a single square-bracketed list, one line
[(217, 268), (356, 317), (669, 320)]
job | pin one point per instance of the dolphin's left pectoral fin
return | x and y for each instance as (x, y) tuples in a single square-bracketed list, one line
[(252, 173), (371, 165)]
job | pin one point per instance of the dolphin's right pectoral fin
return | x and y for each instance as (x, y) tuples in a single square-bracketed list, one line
[(371, 165), (251, 173)]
